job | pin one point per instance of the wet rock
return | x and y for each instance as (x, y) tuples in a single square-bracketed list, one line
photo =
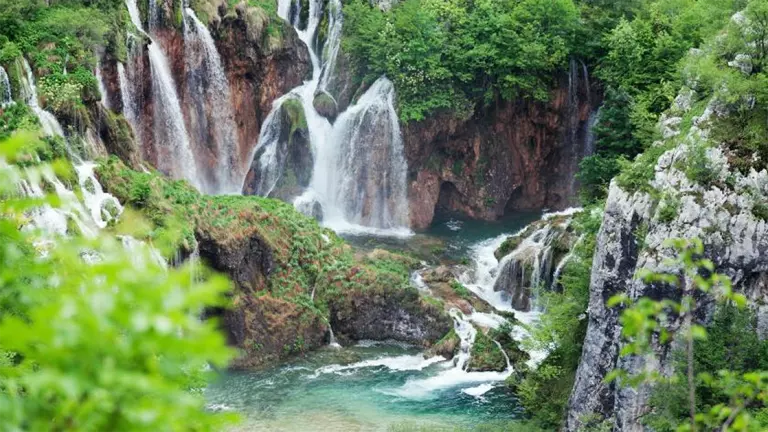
[(325, 105)]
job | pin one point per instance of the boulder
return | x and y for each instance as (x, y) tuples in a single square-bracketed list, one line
[(325, 105)]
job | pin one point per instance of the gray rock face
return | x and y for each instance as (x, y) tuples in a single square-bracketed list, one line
[(742, 62), (631, 238)]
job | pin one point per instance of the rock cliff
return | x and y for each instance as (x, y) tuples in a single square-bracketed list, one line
[(719, 205), (510, 156)]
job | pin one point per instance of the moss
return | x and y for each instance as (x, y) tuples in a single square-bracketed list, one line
[(669, 208), (294, 109), (447, 346), (486, 355), (460, 289)]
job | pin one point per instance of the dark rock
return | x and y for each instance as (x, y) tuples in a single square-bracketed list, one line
[(294, 156), (325, 105), (384, 313)]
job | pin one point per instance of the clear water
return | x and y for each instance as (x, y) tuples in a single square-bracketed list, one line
[(319, 393), (450, 237), (385, 387)]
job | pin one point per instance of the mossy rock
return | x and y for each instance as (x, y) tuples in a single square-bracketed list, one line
[(485, 355), (325, 105), (446, 347), (294, 110)]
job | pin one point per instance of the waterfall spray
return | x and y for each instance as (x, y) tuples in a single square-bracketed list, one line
[(359, 172)]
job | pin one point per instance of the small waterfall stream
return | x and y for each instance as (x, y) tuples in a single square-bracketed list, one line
[(209, 89), (102, 88), (51, 126), (6, 98), (359, 169), (93, 210)]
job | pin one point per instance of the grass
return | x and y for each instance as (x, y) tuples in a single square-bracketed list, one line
[(307, 257)]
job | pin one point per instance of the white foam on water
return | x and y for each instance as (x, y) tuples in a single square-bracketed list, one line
[(478, 391), (487, 320), (454, 225), (414, 362)]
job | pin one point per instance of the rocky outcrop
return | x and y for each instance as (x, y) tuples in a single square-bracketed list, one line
[(532, 259), (721, 209), (385, 306), (380, 313), (293, 154), (509, 156)]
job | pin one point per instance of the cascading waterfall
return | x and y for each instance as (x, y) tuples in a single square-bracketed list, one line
[(209, 88), (90, 213), (456, 374), (170, 134), (364, 137), (526, 268), (359, 170), (51, 126), (531, 265), (6, 98), (333, 43)]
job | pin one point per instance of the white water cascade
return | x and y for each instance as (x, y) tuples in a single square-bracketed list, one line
[(208, 85), (170, 134), (455, 373), (359, 169), (6, 98), (51, 126), (92, 210)]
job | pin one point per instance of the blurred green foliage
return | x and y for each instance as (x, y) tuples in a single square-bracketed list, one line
[(93, 336)]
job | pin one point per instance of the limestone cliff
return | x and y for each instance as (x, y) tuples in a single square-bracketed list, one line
[(719, 205)]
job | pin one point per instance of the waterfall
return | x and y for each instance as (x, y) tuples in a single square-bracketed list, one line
[(175, 153), (333, 44), (102, 88), (210, 90), (332, 339), (365, 137), (359, 170), (51, 126), (6, 98), (130, 108), (527, 268), (170, 134)]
